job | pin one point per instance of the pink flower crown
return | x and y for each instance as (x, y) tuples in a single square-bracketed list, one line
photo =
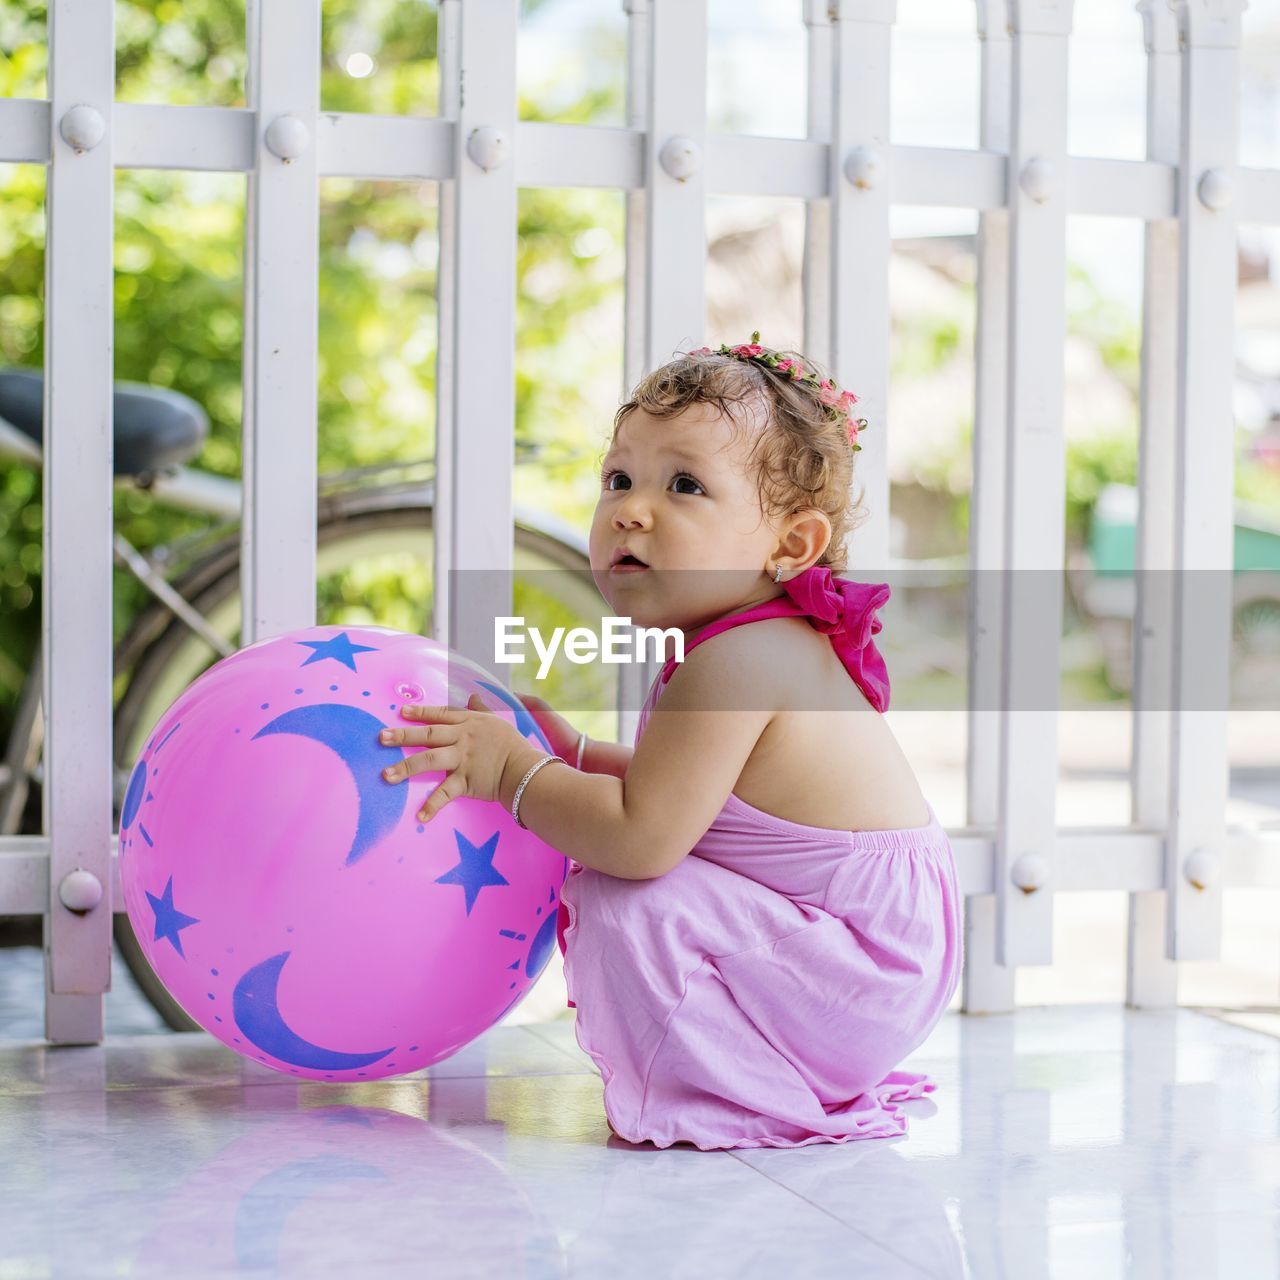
[(839, 403)]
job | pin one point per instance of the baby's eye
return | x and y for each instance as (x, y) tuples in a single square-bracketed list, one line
[(609, 475)]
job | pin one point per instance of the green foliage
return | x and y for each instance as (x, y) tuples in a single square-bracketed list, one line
[(1091, 464), (178, 52), (390, 590), (949, 470), (23, 55), (1259, 483), (1110, 325), (20, 552), (925, 345), (178, 283)]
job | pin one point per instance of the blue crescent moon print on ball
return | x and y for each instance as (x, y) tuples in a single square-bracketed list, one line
[(353, 735), (540, 950), (257, 1014), (133, 796)]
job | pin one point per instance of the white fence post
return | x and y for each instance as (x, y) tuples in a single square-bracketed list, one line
[(281, 270), (78, 460), (448, 52), (635, 278), (634, 678), (675, 169), (1151, 979), (1204, 483), (475, 434), (860, 246), (815, 283), (1035, 479), (666, 288), (987, 985)]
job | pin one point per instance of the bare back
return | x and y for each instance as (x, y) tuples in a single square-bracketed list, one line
[(840, 768)]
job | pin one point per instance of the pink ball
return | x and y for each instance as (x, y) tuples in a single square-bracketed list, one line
[(285, 892)]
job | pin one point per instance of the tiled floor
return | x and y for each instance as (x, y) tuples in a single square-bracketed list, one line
[(1082, 1141)]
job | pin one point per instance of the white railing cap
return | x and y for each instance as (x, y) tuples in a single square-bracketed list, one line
[(1040, 17), (1209, 24)]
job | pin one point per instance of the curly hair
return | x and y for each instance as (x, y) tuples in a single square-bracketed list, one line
[(801, 457)]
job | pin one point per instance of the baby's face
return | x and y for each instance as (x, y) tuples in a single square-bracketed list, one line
[(677, 492)]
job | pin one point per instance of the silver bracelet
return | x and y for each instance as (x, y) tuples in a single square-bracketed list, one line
[(524, 782), (582, 746)]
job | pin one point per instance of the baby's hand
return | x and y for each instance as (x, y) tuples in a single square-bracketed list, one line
[(472, 745), (562, 736)]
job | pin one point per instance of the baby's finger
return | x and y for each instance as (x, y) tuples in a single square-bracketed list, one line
[(449, 789), (436, 735), (446, 715), (423, 762)]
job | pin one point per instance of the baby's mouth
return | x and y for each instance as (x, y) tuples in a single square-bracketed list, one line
[(624, 560), (628, 564)]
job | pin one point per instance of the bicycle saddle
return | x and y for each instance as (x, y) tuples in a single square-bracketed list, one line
[(154, 427)]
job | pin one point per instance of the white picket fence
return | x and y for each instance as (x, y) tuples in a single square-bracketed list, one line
[(1188, 192)]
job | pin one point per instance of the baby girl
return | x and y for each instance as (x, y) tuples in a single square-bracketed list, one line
[(762, 915)]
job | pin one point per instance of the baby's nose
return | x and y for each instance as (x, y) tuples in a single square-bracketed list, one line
[(631, 512)]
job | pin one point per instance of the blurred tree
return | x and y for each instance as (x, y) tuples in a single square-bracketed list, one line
[(179, 243)]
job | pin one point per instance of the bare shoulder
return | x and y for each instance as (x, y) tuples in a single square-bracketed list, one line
[(779, 664), (740, 667), (783, 663)]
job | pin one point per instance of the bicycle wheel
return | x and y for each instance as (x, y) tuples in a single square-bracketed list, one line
[(366, 552)]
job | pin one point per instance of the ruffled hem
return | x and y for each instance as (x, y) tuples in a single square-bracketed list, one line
[(882, 1119), (890, 1091)]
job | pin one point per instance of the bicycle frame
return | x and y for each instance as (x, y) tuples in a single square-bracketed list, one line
[(190, 489), (185, 488)]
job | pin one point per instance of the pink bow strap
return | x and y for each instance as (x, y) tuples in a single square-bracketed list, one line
[(847, 612)]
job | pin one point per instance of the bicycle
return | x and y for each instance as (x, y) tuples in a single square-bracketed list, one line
[(370, 519)]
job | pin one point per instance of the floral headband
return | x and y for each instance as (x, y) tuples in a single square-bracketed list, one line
[(839, 403)]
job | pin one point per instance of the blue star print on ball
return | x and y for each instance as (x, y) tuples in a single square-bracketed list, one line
[(476, 869), (338, 647), (169, 920)]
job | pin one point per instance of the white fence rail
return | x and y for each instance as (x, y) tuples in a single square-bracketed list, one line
[(1190, 193)]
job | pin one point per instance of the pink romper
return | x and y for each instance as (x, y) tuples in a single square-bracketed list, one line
[(761, 992)]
